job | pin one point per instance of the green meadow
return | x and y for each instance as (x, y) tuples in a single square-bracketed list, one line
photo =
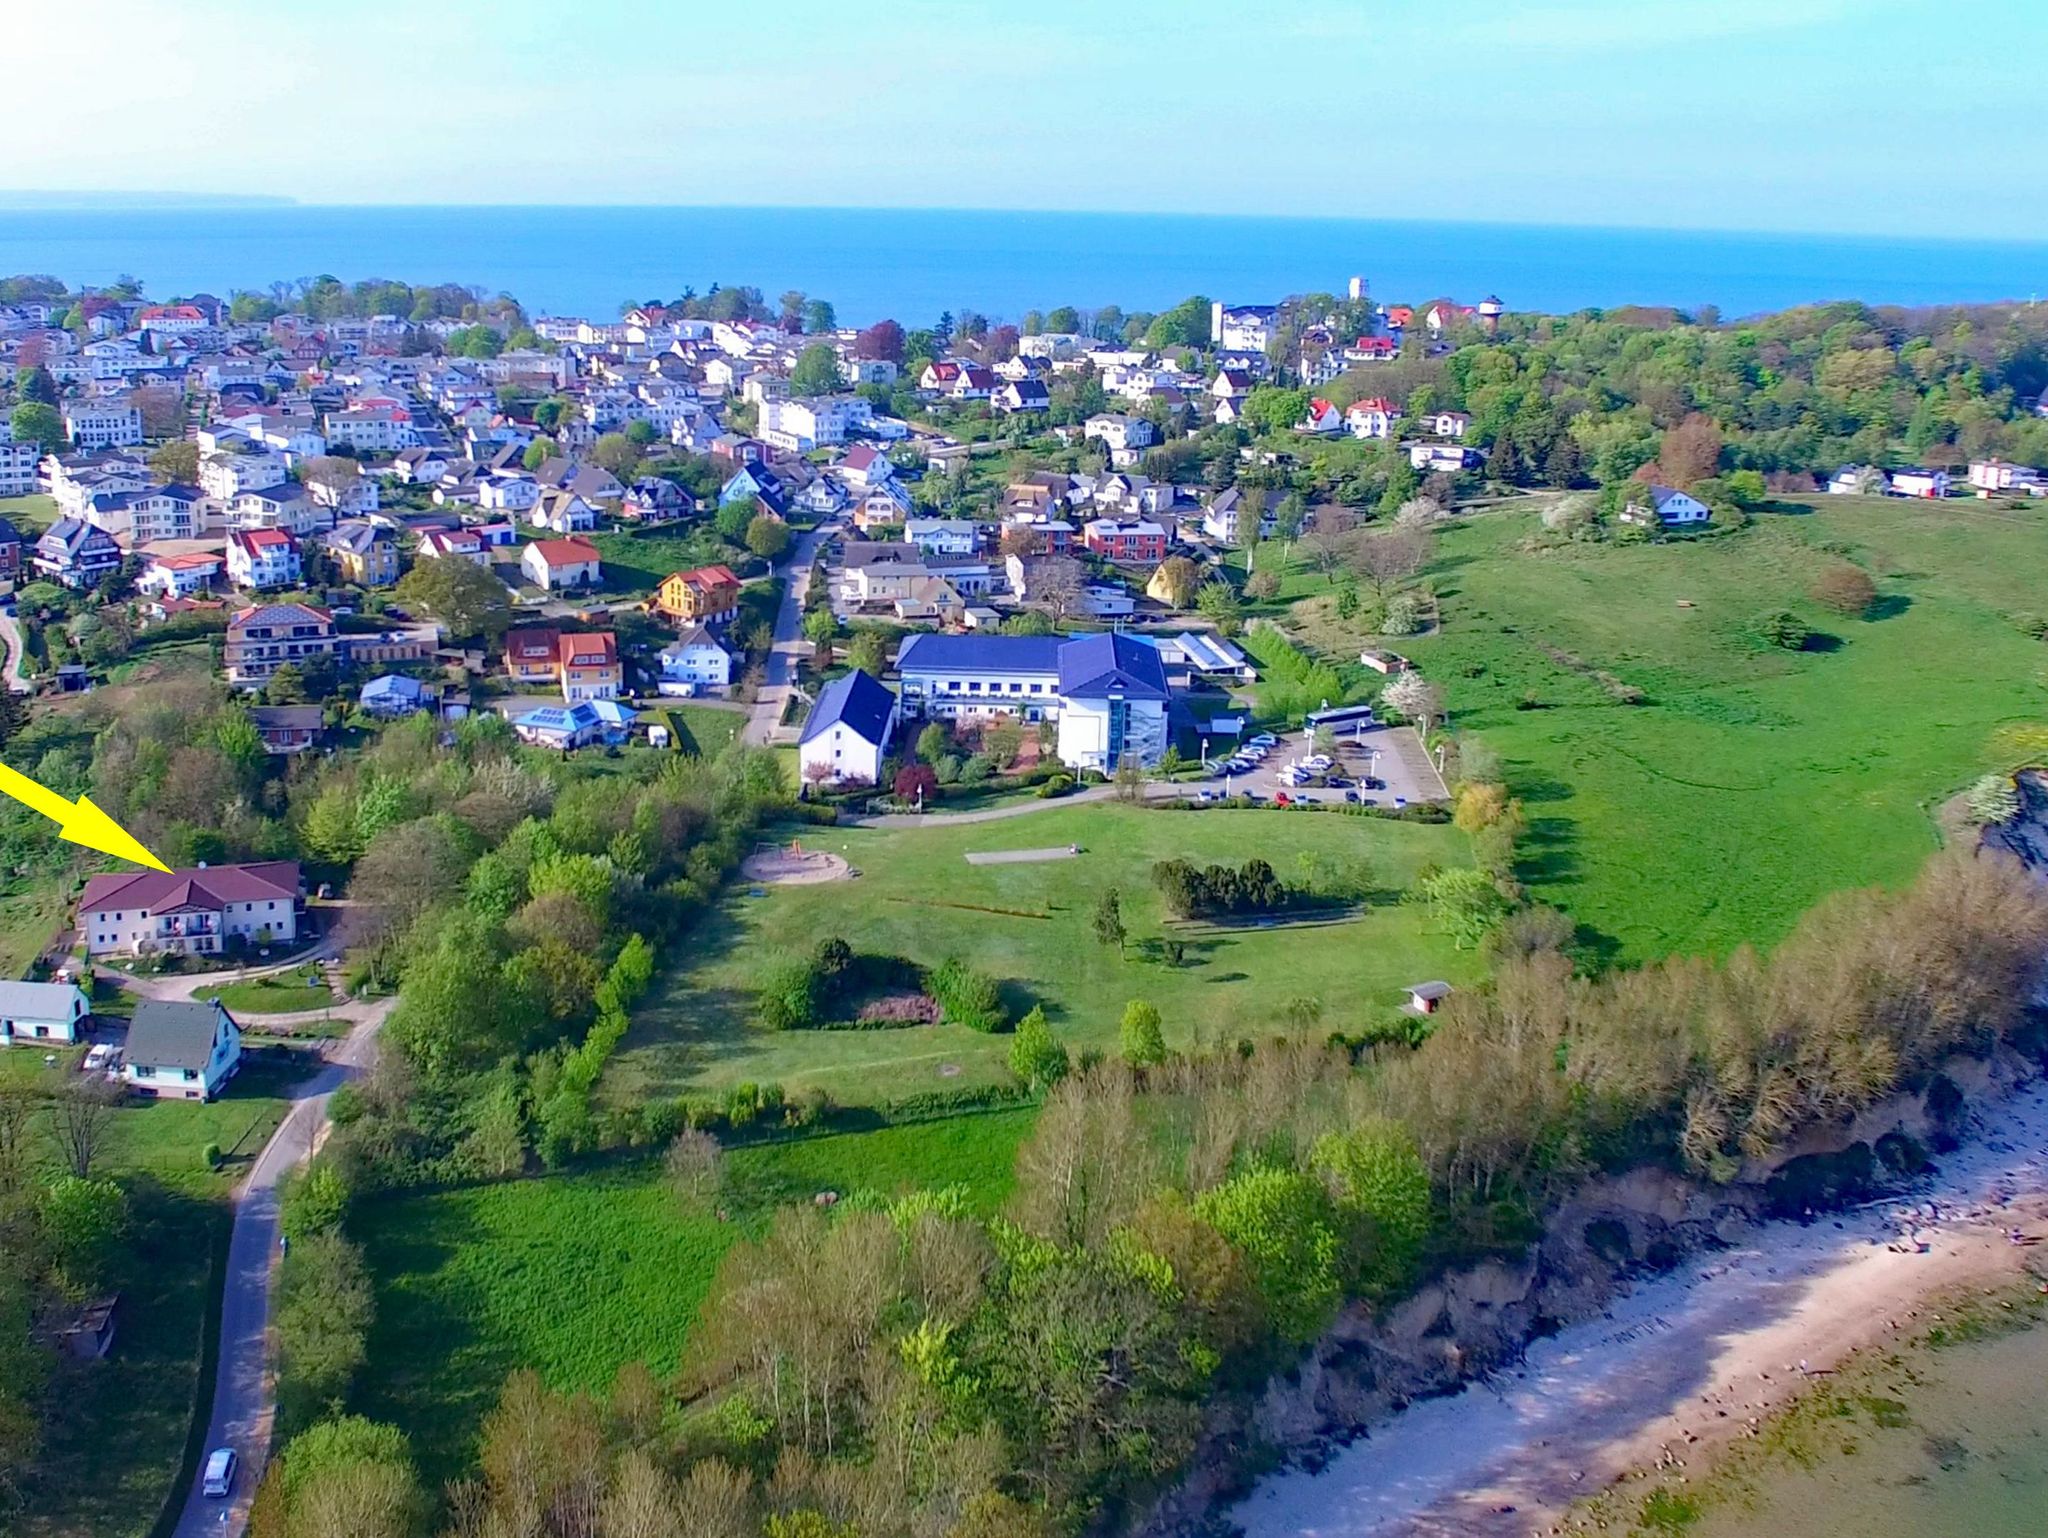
[(1750, 782), (1030, 926)]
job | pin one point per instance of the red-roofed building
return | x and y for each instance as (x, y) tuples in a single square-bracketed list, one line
[(588, 665), (1372, 349), (865, 466), (172, 319), (1373, 417), (180, 576), (584, 666), (706, 595), (259, 559), (558, 563), (453, 544), (139, 913)]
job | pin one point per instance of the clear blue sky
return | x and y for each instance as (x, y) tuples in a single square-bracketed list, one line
[(1882, 116)]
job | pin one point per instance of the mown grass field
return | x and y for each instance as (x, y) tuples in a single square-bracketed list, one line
[(1754, 781), (1029, 925), (577, 1274), (287, 993), (706, 730)]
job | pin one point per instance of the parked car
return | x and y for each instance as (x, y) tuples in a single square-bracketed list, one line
[(219, 1480)]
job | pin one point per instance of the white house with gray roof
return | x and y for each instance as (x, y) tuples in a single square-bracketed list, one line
[(181, 1051), (41, 1012)]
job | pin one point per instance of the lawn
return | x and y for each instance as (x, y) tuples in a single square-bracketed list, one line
[(635, 563), (706, 730), (1030, 926), (287, 993), (31, 514), (577, 1274), (1753, 781), (140, 1399)]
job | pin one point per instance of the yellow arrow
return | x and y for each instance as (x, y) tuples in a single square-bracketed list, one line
[(78, 822)]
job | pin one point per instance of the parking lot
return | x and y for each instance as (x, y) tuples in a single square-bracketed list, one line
[(1390, 755)]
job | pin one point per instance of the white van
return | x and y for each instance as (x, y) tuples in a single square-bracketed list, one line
[(219, 1480)]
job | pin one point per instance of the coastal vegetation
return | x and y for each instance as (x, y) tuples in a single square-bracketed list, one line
[(919, 1363)]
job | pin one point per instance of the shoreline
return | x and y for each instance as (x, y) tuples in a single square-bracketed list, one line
[(1682, 1363), (1732, 1480)]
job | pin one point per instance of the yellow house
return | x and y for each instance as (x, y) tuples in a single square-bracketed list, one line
[(362, 553), (705, 595)]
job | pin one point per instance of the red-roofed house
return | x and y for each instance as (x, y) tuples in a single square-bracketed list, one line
[(1322, 418), (1373, 417), (262, 558), (560, 563), (530, 655), (588, 665), (180, 576), (453, 544), (865, 466), (707, 595), (172, 319), (138, 913)]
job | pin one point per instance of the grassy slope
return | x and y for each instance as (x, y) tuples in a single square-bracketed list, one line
[(140, 1399), (577, 1274), (1756, 781), (918, 897)]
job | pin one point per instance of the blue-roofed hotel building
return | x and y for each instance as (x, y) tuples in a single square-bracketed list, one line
[(1108, 693)]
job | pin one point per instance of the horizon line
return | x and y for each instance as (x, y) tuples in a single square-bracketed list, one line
[(25, 200)]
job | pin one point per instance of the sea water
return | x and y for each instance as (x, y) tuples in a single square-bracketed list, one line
[(911, 264), (1968, 1455)]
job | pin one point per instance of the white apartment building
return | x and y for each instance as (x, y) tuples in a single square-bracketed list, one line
[(102, 424)]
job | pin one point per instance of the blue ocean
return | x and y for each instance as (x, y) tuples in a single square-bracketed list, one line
[(913, 264)]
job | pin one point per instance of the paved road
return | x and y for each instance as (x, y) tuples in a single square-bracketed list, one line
[(245, 1393), (790, 646)]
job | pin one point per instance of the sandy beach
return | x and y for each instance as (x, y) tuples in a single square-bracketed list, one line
[(1682, 1362)]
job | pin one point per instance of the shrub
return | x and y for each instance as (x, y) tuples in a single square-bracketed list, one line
[(1056, 785), (1374, 1173), (967, 997), (1783, 629), (789, 996), (315, 1200), (210, 1156), (324, 1308), (1992, 800), (1190, 891), (1845, 589)]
